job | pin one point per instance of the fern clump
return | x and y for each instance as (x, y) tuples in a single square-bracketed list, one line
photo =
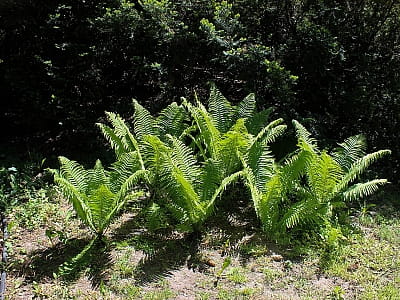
[(97, 195), (310, 186)]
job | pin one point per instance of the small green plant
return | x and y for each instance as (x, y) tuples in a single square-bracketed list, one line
[(98, 195), (236, 275)]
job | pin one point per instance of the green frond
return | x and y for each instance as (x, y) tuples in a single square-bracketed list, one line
[(76, 198), (304, 135), (119, 205), (154, 152), (293, 169), (74, 173), (247, 107), (351, 150), (270, 132), (131, 182), (122, 169), (220, 109), (212, 176), (172, 120), (323, 175), (209, 134), (258, 121), (143, 122), (235, 141), (115, 141), (361, 190), (181, 191), (260, 162), (120, 137), (268, 207), (184, 159), (302, 212), (97, 176), (359, 167), (222, 187), (100, 201), (119, 126)]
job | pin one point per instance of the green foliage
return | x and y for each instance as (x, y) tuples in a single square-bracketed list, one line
[(309, 187), (98, 195)]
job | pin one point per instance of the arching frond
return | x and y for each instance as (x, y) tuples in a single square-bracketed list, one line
[(270, 132), (76, 198), (100, 201), (304, 135), (122, 169), (351, 150), (212, 176), (247, 107), (359, 167), (97, 176), (209, 134), (115, 141), (235, 141), (302, 212), (74, 173), (222, 187), (260, 162), (361, 190)]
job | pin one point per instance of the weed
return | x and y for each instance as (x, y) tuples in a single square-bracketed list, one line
[(272, 274), (237, 275)]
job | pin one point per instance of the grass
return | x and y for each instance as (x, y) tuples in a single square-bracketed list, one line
[(230, 260)]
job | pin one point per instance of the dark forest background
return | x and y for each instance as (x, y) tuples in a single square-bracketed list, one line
[(334, 65)]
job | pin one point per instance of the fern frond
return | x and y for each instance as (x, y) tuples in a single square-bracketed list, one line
[(222, 187), (209, 134), (220, 109), (76, 198), (97, 176), (235, 141), (361, 190), (351, 150), (247, 107), (184, 159), (304, 135), (124, 167), (74, 173), (268, 207), (270, 132), (172, 120), (115, 141), (258, 121), (212, 176), (143, 121), (260, 162), (120, 137), (131, 182), (302, 212), (323, 174), (359, 167), (100, 201)]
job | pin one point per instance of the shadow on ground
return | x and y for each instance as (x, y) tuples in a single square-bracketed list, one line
[(66, 261)]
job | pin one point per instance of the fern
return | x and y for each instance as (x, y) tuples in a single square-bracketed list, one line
[(96, 194), (306, 189)]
